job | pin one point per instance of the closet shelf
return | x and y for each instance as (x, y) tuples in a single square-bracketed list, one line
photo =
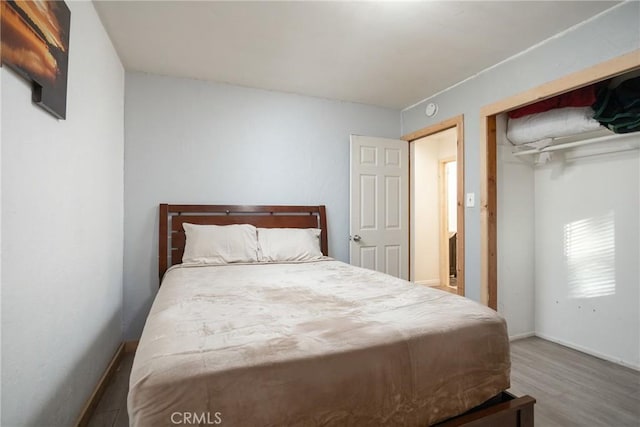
[(572, 144)]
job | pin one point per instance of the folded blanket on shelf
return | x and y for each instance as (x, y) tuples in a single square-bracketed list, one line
[(551, 124), (582, 97)]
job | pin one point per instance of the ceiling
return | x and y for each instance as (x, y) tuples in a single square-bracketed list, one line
[(390, 54)]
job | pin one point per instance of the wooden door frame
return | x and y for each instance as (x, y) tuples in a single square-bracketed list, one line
[(458, 123), (488, 158)]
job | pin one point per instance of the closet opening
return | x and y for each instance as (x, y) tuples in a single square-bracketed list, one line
[(490, 117), (560, 210), (436, 206)]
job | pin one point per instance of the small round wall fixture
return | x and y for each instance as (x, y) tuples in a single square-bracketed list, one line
[(431, 110)]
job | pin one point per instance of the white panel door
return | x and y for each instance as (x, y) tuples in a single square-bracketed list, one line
[(379, 217)]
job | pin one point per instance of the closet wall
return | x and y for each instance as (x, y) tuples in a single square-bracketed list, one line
[(587, 239), (569, 245), (516, 237)]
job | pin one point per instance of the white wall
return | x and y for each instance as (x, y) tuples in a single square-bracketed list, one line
[(426, 216), (516, 238), (613, 33), (425, 158), (62, 231), (189, 141), (588, 252)]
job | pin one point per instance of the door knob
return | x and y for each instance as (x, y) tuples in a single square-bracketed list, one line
[(356, 238)]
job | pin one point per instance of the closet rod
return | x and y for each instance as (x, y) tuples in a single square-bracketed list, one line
[(571, 144)]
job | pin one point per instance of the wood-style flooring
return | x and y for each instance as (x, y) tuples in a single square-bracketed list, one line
[(571, 388), (451, 287), (112, 408)]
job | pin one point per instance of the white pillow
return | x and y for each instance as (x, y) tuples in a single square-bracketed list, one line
[(289, 244), (219, 244)]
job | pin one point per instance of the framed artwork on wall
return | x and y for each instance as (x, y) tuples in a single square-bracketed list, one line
[(35, 43)]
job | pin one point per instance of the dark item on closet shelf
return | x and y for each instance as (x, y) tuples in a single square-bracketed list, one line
[(618, 108), (582, 97)]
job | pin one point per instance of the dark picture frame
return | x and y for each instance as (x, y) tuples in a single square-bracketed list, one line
[(35, 43)]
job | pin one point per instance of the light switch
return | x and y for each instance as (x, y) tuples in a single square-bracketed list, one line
[(471, 200)]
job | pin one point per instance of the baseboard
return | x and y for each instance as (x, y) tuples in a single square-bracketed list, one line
[(521, 336), (130, 346), (93, 400), (589, 351), (430, 282)]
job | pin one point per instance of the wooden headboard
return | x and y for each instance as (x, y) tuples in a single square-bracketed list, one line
[(172, 239)]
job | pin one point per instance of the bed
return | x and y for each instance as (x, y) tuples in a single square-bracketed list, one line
[(313, 342)]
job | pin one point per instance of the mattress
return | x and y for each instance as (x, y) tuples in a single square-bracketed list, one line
[(316, 343)]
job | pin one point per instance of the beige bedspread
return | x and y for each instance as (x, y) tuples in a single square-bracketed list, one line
[(319, 343)]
